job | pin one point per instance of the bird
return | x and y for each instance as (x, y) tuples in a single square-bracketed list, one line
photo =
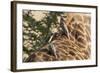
[(63, 26), (53, 50)]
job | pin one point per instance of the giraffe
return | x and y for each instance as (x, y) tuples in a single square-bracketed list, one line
[(75, 46)]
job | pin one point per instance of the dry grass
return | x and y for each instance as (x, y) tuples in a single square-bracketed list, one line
[(76, 47)]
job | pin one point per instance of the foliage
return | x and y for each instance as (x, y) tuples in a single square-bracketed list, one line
[(43, 32)]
